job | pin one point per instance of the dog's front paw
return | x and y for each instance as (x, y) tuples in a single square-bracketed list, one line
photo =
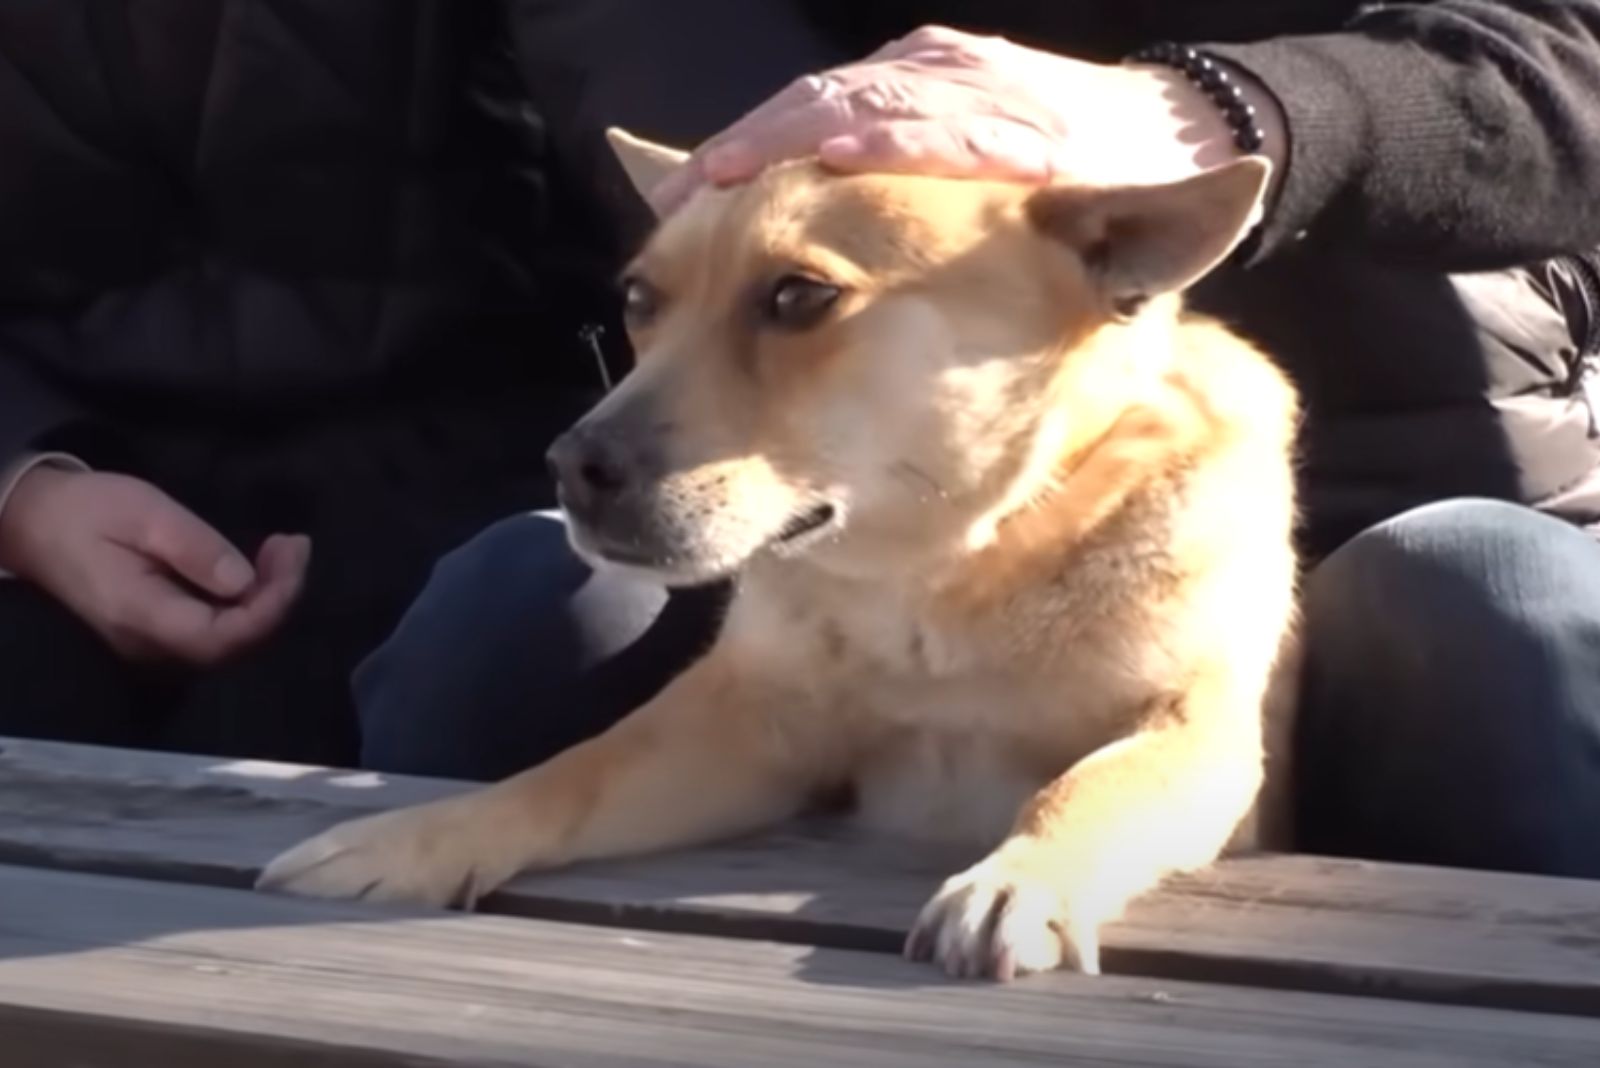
[(998, 920), (432, 854)]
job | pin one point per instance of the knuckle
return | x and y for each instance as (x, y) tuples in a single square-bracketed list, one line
[(956, 44), (146, 525), (933, 35), (153, 529), (817, 86), (887, 139), (893, 97)]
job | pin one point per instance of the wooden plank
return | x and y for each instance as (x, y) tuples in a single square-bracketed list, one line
[(1287, 922), (100, 971)]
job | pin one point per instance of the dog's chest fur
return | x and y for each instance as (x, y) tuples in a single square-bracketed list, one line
[(949, 736)]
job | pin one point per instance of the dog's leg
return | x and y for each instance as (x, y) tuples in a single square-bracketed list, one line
[(1165, 799), (712, 755)]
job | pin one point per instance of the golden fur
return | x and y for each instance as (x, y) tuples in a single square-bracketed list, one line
[(1048, 607)]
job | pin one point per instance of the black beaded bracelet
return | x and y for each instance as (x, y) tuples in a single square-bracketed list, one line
[(1214, 80)]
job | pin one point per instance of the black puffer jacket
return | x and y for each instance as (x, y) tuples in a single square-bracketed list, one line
[(213, 208)]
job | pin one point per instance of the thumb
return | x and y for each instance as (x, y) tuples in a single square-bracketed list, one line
[(170, 534)]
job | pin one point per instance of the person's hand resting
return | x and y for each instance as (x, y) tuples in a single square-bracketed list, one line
[(148, 575), (942, 102)]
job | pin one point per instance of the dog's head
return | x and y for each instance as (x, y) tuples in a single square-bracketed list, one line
[(867, 369)]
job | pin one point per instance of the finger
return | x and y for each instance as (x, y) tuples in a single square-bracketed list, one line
[(971, 148), (281, 566), (178, 624), (285, 559), (738, 153), (169, 533), (162, 619), (892, 95), (943, 47), (674, 190), (790, 134), (283, 555)]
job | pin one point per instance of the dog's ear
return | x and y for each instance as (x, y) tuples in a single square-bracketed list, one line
[(646, 162), (1143, 241)]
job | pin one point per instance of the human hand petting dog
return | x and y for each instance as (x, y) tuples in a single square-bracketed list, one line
[(947, 103), (154, 580)]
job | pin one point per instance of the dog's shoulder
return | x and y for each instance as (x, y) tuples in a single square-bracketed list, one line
[(1248, 394), (1192, 487)]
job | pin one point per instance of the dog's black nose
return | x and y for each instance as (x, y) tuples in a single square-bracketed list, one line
[(587, 472)]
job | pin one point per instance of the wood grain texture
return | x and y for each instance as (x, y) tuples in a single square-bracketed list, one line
[(98, 971), (1286, 922)]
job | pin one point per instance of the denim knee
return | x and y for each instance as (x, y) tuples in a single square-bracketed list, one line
[(1460, 535), (459, 670), (1449, 706), (1418, 580), (516, 650)]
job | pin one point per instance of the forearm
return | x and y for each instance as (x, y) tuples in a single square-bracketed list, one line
[(1161, 801), (1457, 135)]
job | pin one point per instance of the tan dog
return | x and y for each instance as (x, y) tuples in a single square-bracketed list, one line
[(1012, 538)]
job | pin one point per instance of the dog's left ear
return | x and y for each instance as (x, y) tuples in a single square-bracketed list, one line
[(1144, 241), (646, 162)]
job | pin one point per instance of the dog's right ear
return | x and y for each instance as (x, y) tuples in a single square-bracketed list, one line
[(1144, 241), (646, 162)]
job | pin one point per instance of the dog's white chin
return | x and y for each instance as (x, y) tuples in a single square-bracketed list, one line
[(688, 573), (674, 577), (712, 567)]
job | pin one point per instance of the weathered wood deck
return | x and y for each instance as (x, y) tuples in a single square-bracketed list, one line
[(126, 940)]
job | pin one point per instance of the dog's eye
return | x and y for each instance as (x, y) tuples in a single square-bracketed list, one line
[(640, 301), (797, 302)]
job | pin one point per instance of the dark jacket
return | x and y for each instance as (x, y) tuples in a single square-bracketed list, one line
[(212, 209)]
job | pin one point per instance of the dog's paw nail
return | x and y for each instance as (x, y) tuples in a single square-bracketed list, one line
[(919, 944), (416, 856), (997, 922)]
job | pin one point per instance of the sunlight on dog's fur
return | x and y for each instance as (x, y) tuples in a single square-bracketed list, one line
[(1013, 545)]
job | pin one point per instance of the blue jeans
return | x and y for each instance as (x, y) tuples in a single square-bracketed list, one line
[(515, 651), (1450, 712)]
